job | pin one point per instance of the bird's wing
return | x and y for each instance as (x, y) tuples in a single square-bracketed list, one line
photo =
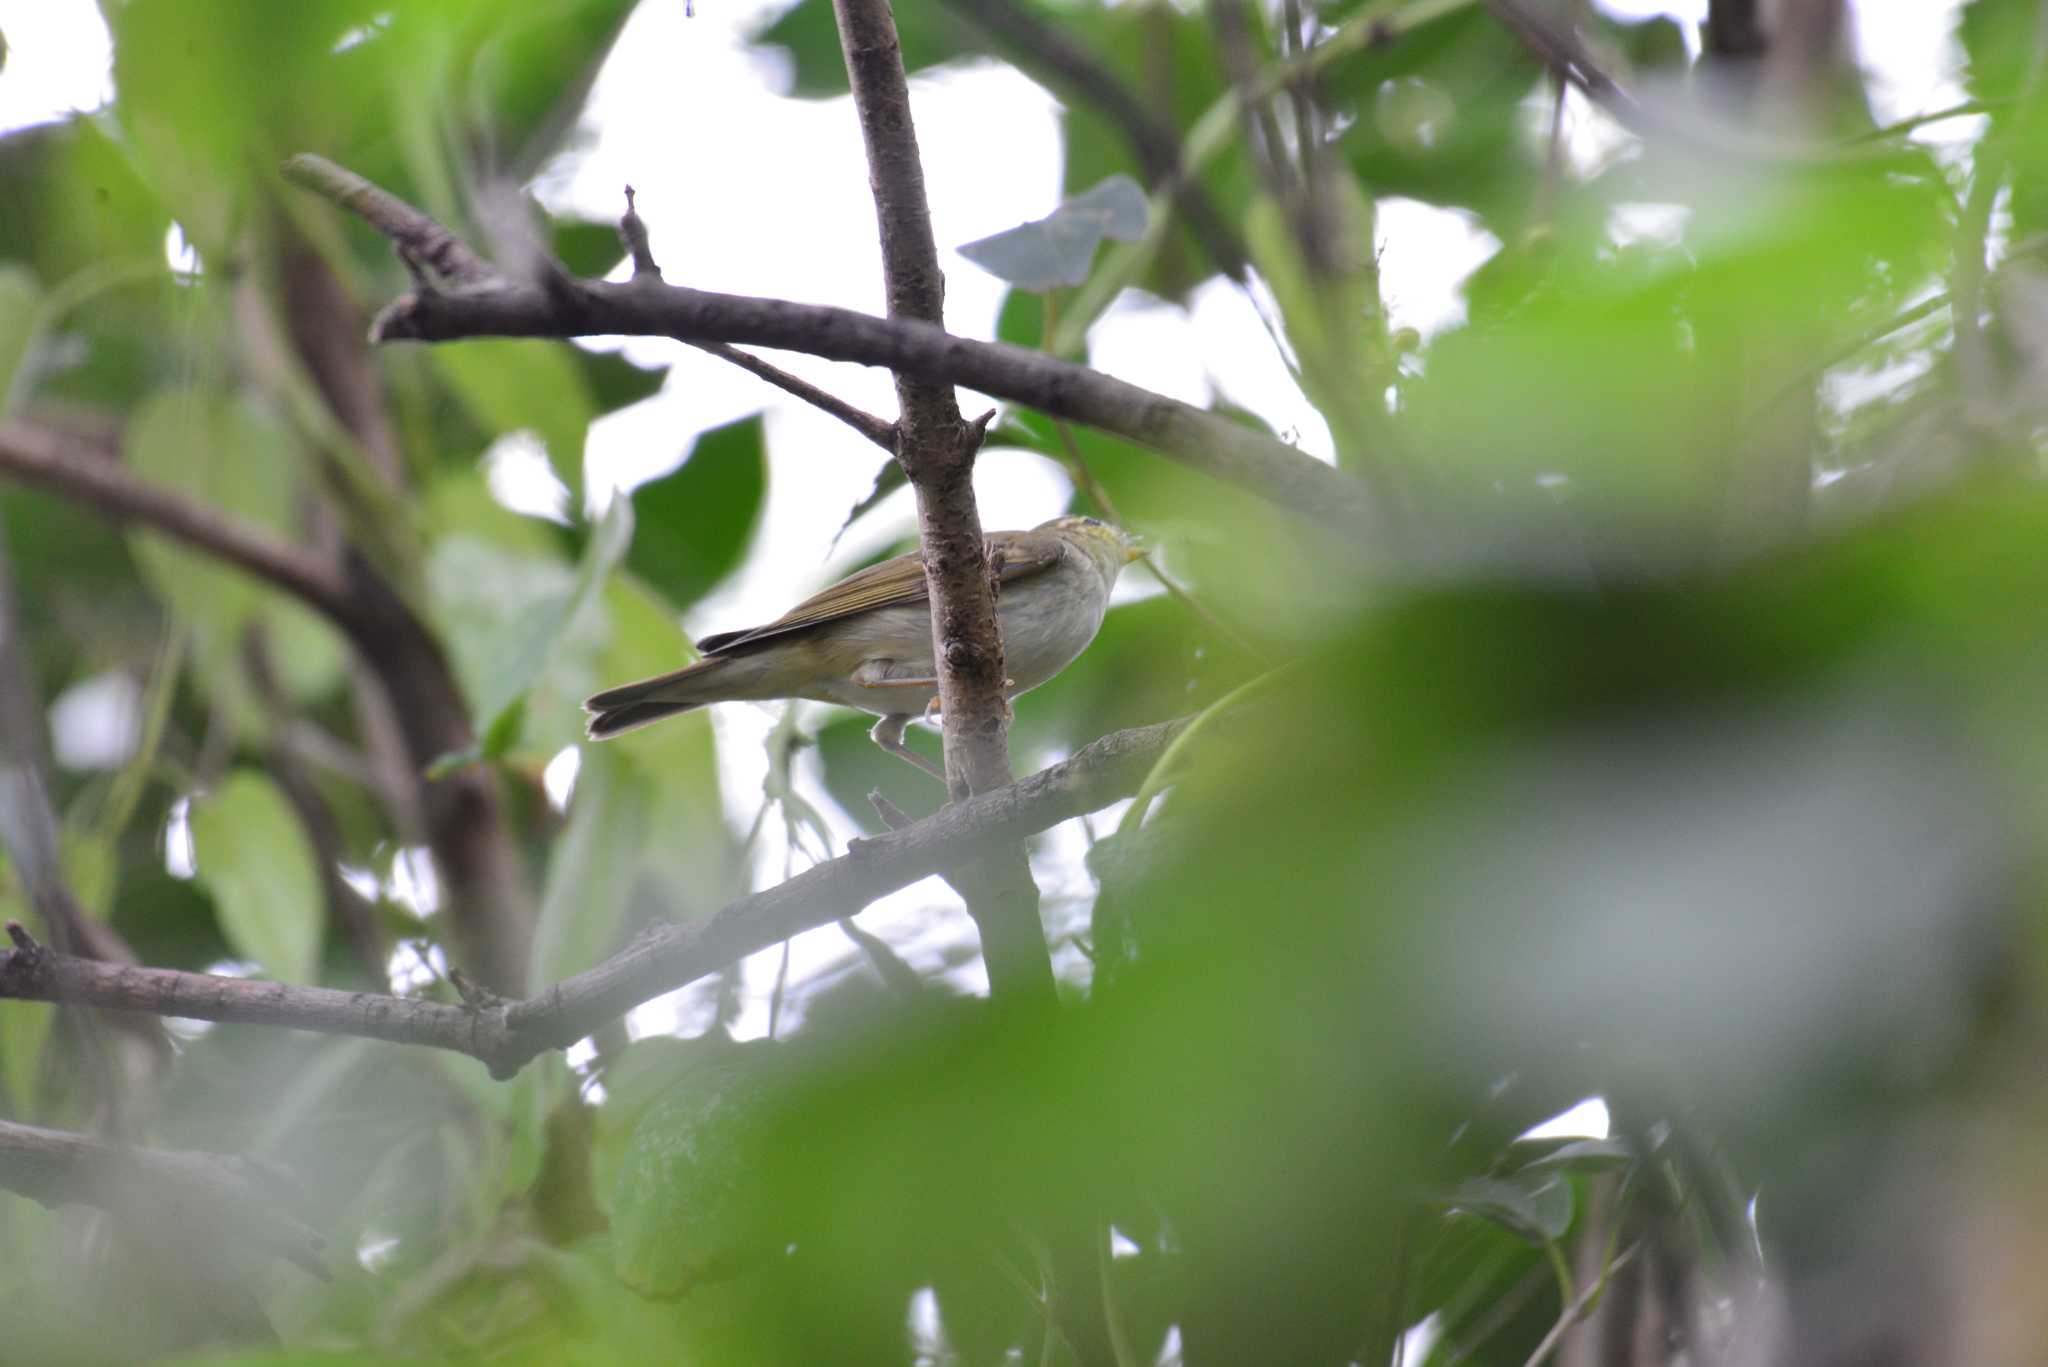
[(886, 584)]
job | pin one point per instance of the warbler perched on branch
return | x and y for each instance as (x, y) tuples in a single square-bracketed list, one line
[(866, 641)]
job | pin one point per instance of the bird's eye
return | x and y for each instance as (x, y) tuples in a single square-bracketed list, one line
[(1090, 522)]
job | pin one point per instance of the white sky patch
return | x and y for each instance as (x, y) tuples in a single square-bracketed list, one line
[(413, 883), (1246, 366), (1426, 253), (1911, 58), (516, 469), (1144, 340), (181, 859), (922, 1320), (415, 965), (180, 254), (1641, 223), (97, 722), (1587, 1120), (1420, 1339), (376, 1249), (559, 778), (60, 60)]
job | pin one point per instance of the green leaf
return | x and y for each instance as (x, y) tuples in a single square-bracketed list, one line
[(1059, 248), (254, 857), (521, 385), (691, 526), (683, 1200), (1587, 1155), (809, 38), (1537, 1207), (226, 454), (587, 249), (20, 298), (243, 463), (508, 615), (594, 867)]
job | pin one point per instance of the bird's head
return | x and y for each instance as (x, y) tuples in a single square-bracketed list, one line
[(1110, 547)]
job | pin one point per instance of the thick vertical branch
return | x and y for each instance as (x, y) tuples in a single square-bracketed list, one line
[(937, 451), (935, 446)]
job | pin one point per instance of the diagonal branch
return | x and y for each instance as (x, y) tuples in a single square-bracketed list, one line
[(880, 431), (174, 1194), (70, 466), (505, 1035), (1203, 441)]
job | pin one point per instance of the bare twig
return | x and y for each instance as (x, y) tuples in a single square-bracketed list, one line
[(880, 431), (418, 238), (633, 232), (1580, 1306), (175, 1194), (505, 1035), (1204, 441)]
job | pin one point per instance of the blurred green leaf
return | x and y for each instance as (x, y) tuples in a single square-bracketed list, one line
[(521, 385), (692, 525), (20, 298), (1587, 1155), (683, 1212), (1059, 248), (808, 37), (1537, 1207), (595, 867), (231, 456), (254, 857), (510, 615), (587, 249)]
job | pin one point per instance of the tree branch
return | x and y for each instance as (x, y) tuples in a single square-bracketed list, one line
[(1201, 440), (934, 445), (462, 809), (181, 1195), (71, 467), (505, 1035), (880, 431)]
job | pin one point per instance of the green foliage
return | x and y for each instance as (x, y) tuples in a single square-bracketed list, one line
[(254, 858), (1622, 758), (693, 525)]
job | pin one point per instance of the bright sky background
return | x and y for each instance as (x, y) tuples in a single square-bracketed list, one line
[(750, 193)]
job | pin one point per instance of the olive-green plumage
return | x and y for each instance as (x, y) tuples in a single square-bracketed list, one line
[(866, 641)]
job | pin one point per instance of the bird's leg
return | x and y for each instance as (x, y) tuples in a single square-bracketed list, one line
[(888, 733)]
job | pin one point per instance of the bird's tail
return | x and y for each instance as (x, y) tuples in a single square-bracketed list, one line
[(632, 706)]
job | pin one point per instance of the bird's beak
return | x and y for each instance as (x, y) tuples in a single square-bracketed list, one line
[(1134, 548)]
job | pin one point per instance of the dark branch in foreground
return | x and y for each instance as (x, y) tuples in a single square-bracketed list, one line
[(506, 1035), (185, 1195), (1204, 441)]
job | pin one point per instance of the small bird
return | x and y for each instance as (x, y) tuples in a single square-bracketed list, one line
[(866, 641)]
